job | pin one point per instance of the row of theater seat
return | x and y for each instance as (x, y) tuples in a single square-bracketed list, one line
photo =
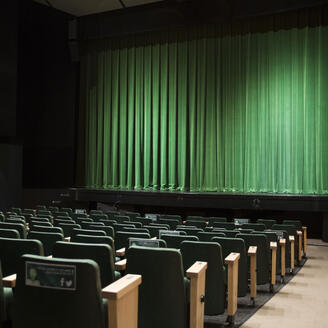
[(207, 246)]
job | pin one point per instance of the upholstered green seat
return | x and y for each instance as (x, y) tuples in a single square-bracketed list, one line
[(39, 223), (136, 224), (172, 223), (207, 236), (14, 226), (296, 223), (132, 215), (48, 239), (102, 254), (68, 228), (86, 225), (65, 308), (112, 214), (254, 226), (9, 233), (226, 225), (154, 231), (228, 233), (79, 220), (61, 214), (108, 230), (175, 241), (75, 216), (121, 218), (67, 210), (13, 249), (67, 220), (128, 229), (120, 226), (96, 212), (267, 222), (190, 231), (162, 294), (195, 218), (213, 219), (97, 217), (210, 252), (196, 223), (160, 225), (47, 229), (143, 221), (171, 217), (16, 210), (122, 238), (262, 255), (88, 232), (236, 245), (15, 220)]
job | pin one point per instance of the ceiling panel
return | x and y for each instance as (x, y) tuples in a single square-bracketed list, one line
[(83, 7)]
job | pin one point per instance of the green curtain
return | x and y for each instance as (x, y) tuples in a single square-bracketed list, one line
[(239, 107)]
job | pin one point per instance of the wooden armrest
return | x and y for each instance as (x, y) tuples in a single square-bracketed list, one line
[(252, 250), (9, 281), (282, 241), (122, 296), (232, 258), (232, 261), (120, 252), (291, 238), (304, 239), (299, 232), (197, 275), (273, 247), (292, 252), (120, 265), (273, 244), (68, 239)]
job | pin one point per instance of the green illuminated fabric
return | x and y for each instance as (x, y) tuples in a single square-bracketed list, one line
[(240, 108)]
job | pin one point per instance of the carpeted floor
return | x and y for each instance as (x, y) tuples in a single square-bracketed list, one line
[(245, 309)]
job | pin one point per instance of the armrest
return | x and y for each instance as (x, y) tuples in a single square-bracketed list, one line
[(304, 239), (282, 243), (232, 261), (299, 234), (120, 265), (197, 275), (291, 238), (9, 281), (122, 296), (273, 247), (68, 239), (252, 250), (120, 252), (292, 252)]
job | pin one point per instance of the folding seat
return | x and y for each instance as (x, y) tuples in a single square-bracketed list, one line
[(63, 214), (44, 212), (67, 220), (67, 210), (170, 222), (120, 226), (154, 231), (246, 230), (301, 232), (254, 226), (15, 220), (195, 218), (39, 223), (175, 241), (136, 224), (198, 224), (126, 229), (27, 217), (102, 254), (170, 217), (86, 225), (98, 217), (68, 228), (74, 216), (213, 219), (75, 300), (87, 232), (47, 229), (143, 221), (228, 233), (79, 220), (28, 211), (108, 222), (216, 284), (207, 236), (43, 217), (132, 215), (53, 209), (14, 226), (41, 208), (263, 268), (16, 210), (96, 212), (9, 233), (6, 304), (191, 231), (226, 225), (48, 239), (111, 214), (13, 249), (159, 225), (121, 218), (163, 276), (238, 245), (122, 238), (89, 239), (108, 230), (141, 242)]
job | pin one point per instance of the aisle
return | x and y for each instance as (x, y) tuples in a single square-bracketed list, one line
[(304, 301)]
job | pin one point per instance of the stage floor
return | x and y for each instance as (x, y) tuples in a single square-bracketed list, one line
[(210, 200)]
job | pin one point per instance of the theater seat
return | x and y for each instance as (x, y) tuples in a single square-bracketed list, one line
[(6, 304), (175, 241), (9, 233), (162, 296), (122, 238), (48, 240), (14, 226), (75, 300)]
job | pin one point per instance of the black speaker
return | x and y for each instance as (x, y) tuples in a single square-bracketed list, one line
[(73, 43)]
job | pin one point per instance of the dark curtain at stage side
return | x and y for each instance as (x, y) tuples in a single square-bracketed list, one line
[(240, 108)]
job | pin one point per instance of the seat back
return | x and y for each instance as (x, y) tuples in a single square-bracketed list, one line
[(225, 225), (40, 307), (98, 217), (88, 232), (102, 254), (296, 223), (170, 222), (195, 218), (207, 236), (122, 238), (196, 223), (175, 241), (68, 228), (236, 245), (267, 222), (262, 255), (47, 229), (108, 230), (254, 226), (162, 276), (13, 249), (14, 226), (48, 239), (154, 231), (143, 221), (215, 290), (9, 233), (190, 231), (213, 219), (170, 217), (228, 233)]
